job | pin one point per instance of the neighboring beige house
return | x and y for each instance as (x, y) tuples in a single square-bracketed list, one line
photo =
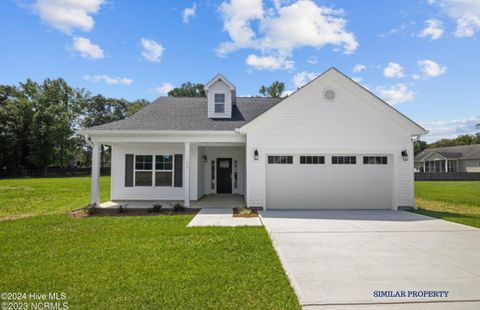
[(464, 158)]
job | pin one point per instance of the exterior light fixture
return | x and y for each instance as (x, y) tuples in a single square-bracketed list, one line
[(205, 158), (255, 154), (405, 155)]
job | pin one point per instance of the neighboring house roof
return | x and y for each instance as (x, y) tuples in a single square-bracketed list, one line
[(452, 152), (181, 113)]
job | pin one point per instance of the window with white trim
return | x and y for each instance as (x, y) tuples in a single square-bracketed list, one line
[(143, 170), (164, 170), (219, 103), (375, 160), (282, 160), (154, 173), (344, 160), (312, 160)]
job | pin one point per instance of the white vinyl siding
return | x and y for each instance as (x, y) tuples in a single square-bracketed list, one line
[(305, 123), (118, 189)]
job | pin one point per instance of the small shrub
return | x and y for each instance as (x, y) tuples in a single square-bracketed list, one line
[(122, 208), (178, 207), (244, 210), (156, 208)]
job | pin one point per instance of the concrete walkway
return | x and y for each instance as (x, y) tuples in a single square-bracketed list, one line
[(339, 259), (221, 217)]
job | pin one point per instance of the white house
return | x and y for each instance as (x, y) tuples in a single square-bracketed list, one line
[(330, 145)]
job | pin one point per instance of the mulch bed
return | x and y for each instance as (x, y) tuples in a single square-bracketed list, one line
[(79, 213), (236, 213)]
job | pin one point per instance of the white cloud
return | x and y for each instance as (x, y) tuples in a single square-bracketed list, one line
[(430, 68), (109, 80), (416, 77), (237, 16), (398, 29), (303, 23), (87, 49), (68, 15), (450, 128), (396, 94), (393, 70), (152, 51), (312, 60), (283, 28), (359, 68), (434, 29), (466, 13), (188, 13), (303, 78), (269, 62), (164, 88)]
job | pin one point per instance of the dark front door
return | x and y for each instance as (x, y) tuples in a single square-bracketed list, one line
[(224, 175)]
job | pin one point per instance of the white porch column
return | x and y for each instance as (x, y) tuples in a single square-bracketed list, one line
[(446, 165), (95, 189), (186, 183)]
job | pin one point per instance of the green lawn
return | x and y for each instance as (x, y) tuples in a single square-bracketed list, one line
[(150, 262), (456, 201), (37, 196)]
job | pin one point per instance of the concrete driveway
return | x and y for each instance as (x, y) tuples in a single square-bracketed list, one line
[(340, 258)]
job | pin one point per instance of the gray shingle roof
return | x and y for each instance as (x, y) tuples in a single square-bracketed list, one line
[(178, 113), (452, 152)]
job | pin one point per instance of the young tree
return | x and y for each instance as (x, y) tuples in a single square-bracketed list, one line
[(188, 89), (275, 90)]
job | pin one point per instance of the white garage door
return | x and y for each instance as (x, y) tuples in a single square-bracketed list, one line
[(329, 182)]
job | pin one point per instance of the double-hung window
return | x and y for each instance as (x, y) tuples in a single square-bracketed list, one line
[(219, 103), (154, 173), (163, 170), (143, 170)]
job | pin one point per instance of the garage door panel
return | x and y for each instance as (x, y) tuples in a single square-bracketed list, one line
[(327, 186)]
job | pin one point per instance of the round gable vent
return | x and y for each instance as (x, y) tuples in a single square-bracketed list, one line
[(329, 94)]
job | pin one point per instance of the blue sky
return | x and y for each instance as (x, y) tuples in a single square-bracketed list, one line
[(422, 56)]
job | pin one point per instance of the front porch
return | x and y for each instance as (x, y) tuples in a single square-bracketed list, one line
[(219, 201), (194, 174)]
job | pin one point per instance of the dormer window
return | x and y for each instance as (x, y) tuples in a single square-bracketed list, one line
[(221, 97), (219, 103)]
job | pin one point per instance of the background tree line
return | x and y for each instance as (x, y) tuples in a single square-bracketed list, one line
[(420, 145), (38, 122)]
